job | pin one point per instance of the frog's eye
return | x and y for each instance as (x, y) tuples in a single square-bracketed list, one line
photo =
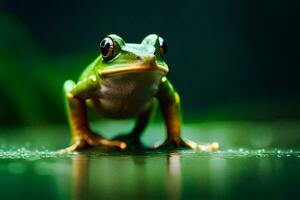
[(107, 48), (162, 47)]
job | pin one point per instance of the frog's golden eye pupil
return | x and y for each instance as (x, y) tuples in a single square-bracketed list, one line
[(162, 47), (107, 48)]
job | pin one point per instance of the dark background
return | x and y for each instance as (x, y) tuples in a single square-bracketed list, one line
[(228, 59)]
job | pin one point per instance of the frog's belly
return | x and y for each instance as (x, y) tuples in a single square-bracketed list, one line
[(126, 95)]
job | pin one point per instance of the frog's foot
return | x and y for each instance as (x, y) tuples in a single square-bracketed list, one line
[(78, 143), (87, 139), (175, 144), (187, 144), (96, 140), (132, 141)]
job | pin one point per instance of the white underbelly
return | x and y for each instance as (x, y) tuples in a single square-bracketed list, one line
[(127, 95)]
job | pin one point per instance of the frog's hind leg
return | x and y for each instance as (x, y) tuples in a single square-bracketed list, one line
[(82, 137), (133, 139)]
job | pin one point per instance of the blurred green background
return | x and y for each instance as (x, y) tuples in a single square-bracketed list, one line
[(235, 64), (228, 59)]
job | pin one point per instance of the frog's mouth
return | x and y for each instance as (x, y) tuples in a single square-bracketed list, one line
[(134, 68)]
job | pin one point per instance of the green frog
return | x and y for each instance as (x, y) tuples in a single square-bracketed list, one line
[(126, 80)]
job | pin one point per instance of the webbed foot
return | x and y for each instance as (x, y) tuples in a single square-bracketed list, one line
[(87, 139), (186, 144)]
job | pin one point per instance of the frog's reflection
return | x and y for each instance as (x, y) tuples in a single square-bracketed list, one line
[(174, 176), (80, 176), (138, 181)]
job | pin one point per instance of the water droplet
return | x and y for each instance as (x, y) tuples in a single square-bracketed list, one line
[(259, 151), (278, 151)]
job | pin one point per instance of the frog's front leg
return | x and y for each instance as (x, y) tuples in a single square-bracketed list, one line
[(75, 96), (170, 105)]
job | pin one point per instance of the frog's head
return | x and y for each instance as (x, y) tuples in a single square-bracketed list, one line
[(120, 57)]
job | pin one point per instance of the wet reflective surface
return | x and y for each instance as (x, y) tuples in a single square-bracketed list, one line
[(256, 161)]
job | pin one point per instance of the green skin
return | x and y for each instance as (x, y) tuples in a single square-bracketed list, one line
[(126, 86)]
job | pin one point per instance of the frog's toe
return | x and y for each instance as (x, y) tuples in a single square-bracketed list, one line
[(78, 144), (69, 149), (112, 143), (96, 140), (187, 144), (131, 141), (210, 147), (177, 144)]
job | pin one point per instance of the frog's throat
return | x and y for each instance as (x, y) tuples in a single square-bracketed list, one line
[(135, 68)]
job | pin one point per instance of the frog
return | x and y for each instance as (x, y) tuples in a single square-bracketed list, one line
[(125, 81)]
